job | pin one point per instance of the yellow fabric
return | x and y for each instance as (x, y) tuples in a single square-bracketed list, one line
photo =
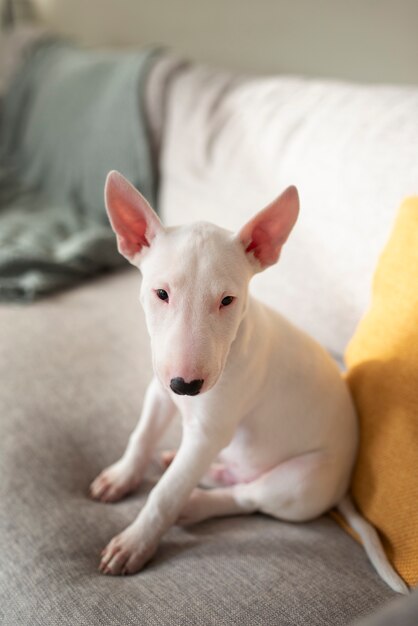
[(382, 360)]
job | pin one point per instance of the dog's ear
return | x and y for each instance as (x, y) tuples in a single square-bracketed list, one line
[(133, 220), (264, 235)]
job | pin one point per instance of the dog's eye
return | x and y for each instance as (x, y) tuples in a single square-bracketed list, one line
[(162, 294), (227, 300)]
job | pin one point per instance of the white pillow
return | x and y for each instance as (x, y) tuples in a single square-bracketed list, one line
[(232, 144)]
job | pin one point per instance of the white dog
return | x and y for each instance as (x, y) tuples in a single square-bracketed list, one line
[(255, 394)]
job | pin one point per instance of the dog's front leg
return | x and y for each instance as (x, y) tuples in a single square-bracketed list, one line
[(128, 552), (125, 475)]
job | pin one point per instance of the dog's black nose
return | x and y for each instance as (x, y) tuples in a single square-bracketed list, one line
[(179, 386)]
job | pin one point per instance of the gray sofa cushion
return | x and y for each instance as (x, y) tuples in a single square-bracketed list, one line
[(73, 370), (402, 612)]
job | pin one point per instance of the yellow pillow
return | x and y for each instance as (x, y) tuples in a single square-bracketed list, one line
[(382, 360)]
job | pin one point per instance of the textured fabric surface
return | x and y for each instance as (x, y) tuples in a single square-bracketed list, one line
[(233, 144), (70, 115), (73, 370), (383, 363), (401, 612)]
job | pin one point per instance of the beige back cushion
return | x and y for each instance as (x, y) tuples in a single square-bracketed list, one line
[(232, 144)]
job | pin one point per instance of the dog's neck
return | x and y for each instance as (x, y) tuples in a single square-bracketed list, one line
[(248, 337)]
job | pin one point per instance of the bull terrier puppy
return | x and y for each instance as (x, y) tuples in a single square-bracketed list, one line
[(265, 412)]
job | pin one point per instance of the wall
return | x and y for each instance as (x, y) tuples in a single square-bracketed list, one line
[(364, 40)]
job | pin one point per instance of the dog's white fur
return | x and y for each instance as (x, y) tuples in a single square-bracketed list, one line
[(273, 411)]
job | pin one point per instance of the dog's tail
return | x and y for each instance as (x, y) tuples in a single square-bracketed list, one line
[(372, 545)]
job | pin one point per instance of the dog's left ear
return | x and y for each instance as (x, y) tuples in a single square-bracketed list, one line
[(264, 235), (132, 219)]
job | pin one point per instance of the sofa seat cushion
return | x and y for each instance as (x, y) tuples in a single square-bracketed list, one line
[(73, 370)]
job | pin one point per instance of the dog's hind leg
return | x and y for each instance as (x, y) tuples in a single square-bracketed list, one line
[(296, 490), (206, 503), (216, 476)]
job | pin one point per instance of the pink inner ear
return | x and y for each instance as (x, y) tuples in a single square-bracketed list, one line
[(259, 244), (264, 249), (132, 218), (130, 230), (265, 234)]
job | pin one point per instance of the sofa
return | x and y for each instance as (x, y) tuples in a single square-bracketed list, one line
[(74, 366)]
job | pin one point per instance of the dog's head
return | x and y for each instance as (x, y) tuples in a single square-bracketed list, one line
[(194, 280)]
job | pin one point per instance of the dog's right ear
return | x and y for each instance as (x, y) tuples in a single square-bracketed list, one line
[(132, 219)]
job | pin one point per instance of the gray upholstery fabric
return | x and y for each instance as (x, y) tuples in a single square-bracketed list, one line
[(402, 612), (73, 370)]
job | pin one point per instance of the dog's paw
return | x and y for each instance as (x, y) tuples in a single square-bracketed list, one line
[(114, 482), (126, 553)]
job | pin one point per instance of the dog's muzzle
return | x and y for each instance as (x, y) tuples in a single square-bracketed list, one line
[(179, 386)]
